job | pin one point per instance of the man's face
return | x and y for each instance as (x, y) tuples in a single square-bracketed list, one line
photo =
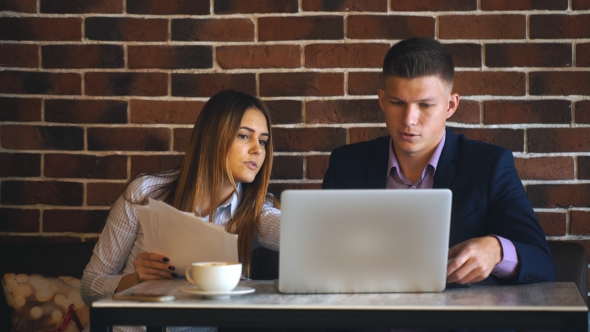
[(416, 111)]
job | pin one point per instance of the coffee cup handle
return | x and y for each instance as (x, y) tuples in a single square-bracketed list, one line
[(188, 275)]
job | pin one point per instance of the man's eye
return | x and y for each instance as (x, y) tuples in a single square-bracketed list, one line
[(427, 105), (396, 103)]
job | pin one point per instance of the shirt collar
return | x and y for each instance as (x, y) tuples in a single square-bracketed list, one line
[(233, 201), (433, 161)]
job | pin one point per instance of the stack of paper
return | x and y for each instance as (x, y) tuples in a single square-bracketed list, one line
[(185, 238)]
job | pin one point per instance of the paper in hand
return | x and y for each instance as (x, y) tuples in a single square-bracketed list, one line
[(185, 238)]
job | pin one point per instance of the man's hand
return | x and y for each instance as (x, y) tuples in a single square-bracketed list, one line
[(473, 260), (149, 266)]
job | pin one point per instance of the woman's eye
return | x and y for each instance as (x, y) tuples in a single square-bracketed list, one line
[(243, 136), (262, 142)]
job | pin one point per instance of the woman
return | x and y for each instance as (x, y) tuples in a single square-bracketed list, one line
[(223, 178)]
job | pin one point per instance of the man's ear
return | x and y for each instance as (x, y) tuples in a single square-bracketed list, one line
[(453, 104), (381, 95)]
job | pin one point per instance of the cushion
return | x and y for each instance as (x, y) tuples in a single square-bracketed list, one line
[(45, 303)]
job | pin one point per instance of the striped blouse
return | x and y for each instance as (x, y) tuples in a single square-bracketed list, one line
[(122, 239)]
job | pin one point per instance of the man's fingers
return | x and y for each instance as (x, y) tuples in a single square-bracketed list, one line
[(456, 262), (468, 273), (456, 271), (454, 251)]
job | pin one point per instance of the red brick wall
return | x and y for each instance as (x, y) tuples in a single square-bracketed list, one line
[(95, 92)]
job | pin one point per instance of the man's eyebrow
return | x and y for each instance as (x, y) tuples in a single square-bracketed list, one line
[(253, 131)]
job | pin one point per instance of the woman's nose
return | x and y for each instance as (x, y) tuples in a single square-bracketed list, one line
[(255, 149)]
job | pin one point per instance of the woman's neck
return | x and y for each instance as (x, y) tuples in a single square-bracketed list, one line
[(204, 207)]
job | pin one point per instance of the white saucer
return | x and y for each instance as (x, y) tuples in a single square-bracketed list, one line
[(192, 289)]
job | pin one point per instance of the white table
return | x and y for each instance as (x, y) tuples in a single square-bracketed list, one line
[(541, 305)]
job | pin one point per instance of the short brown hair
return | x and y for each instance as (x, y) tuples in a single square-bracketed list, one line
[(417, 57)]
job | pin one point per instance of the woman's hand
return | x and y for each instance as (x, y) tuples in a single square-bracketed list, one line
[(150, 266)]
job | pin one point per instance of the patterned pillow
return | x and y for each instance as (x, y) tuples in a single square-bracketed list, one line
[(45, 304)]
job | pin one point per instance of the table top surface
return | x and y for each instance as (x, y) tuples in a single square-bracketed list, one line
[(535, 297)]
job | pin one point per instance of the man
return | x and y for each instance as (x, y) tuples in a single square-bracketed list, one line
[(493, 227)]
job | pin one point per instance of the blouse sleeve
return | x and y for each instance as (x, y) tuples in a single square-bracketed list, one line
[(268, 235), (117, 247)]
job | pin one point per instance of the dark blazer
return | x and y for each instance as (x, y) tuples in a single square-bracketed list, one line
[(488, 196)]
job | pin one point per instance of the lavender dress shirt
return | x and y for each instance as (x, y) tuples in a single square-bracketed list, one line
[(507, 268)]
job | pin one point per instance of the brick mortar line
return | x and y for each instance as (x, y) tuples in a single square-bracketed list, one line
[(256, 29), (40, 55), (481, 111), (85, 194), (525, 141), (46, 234), (125, 60), (75, 180), (83, 27), (299, 180), (478, 98), (339, 70), (256, 83), (568, 229), (574, 55), (97, 153), (346, 83), (532, 155), (54, 207), (303, 42), (516, 154), (41, 210), (527, 27), (433, 14), (112, 98), (345, 18), (555, 182), (301, 125), (169, 32)]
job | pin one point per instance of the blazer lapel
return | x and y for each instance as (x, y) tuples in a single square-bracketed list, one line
[(445, 170), (377, 170)]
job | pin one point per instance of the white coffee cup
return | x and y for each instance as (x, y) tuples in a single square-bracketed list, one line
[(214, 276)]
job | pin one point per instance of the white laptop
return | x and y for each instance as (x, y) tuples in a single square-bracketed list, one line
[(364, 241)]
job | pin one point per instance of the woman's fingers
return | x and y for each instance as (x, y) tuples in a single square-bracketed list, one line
[(153, 257), (150, 274), (149, 266)]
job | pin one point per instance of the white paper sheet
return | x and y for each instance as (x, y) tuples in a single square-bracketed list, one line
[(144, 219), (185, 238)]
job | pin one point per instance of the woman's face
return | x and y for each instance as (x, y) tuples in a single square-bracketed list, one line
[(248, 150)]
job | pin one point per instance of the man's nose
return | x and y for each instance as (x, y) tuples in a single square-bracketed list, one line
[(410, 117)]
